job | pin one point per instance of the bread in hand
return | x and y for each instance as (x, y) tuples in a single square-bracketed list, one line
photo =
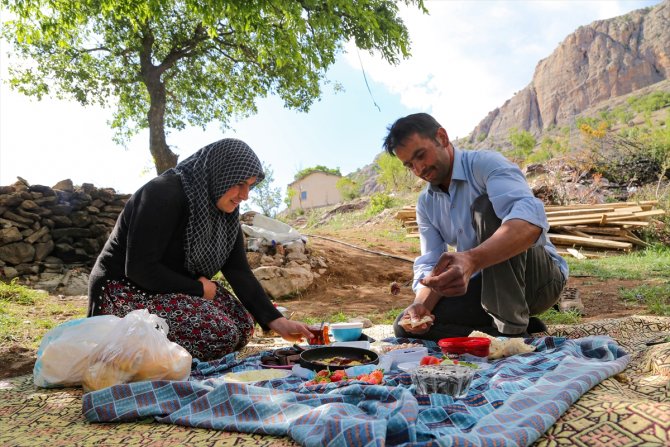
[(415, 322)]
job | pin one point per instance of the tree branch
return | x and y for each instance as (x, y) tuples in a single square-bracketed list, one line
[(188, 49)]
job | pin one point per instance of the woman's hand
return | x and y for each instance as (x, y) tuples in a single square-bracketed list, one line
[(293, 331), (208, 287)]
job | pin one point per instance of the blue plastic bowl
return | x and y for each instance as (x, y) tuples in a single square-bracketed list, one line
[(346, 331)]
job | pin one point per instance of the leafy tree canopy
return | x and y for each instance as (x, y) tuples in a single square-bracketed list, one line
[(166, 64), (318, 168)]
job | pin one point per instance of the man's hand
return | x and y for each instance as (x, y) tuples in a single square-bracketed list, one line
[(208, 287), (451, 274), (417, 319), (290, 330)]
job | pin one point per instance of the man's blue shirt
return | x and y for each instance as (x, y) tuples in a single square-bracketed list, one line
[(445, 218)]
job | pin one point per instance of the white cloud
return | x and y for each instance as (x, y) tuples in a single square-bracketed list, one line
[(468, 57)]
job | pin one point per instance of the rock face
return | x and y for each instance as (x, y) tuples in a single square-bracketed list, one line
[(605, 59)]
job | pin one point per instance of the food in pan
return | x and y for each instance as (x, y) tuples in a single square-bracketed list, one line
[(341, 361)]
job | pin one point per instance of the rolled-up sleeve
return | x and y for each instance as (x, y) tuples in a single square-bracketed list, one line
[(510, 194)]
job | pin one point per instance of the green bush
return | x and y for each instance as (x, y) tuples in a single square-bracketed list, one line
[(393, 175), (348, 188), (523, 142), (378, 203), (650, 103)]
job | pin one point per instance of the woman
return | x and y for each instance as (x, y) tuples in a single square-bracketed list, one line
[(174, 234)]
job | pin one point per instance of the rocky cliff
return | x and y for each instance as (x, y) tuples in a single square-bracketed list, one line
[(605, 59)]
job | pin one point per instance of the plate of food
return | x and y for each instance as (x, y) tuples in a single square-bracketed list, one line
[(255, 375)]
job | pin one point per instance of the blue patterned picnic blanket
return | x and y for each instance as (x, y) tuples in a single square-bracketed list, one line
[(511, 403)]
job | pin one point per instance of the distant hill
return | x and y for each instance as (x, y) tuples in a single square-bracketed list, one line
[(593, 65), (598, 69)]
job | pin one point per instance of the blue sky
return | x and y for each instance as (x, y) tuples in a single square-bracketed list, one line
[(468, 57)]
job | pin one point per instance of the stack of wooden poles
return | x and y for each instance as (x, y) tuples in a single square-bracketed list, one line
[(583, 230)]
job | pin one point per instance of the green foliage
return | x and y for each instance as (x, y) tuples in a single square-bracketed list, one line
[(318, 168), (392, 174), (13, 292), (264, 195), (539, 156), (587, 121), (650, 103), (290, 194), (523, 143), (621, 114), (378, 203), (348, 188), (167, 64)]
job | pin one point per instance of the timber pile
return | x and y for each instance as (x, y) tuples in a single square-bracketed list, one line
[(583, 231)]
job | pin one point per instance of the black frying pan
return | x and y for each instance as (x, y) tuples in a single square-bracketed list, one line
[(310, 357)]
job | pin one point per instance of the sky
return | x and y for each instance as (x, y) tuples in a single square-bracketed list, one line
[(468, 57)]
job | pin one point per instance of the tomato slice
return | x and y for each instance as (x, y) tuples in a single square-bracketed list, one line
[(429, 360)]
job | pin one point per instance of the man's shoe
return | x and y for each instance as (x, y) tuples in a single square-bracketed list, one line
[(536, 325)]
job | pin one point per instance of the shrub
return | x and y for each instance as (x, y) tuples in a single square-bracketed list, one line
[(393, 175), (651, 102), (348, 188), (523, 142), (378, 203)]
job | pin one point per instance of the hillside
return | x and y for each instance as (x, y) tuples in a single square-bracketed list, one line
[(596, 63)]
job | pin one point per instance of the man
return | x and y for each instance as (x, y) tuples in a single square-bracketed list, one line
[(504, 268)]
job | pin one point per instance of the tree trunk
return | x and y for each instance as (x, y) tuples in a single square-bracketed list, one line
[(164, 158)]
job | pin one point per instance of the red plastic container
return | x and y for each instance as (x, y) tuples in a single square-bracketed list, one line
[(454, 347)]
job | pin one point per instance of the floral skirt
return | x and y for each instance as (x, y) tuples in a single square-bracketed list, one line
[(208, 329)]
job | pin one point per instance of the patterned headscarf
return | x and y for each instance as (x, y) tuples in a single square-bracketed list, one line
[(206, 176)]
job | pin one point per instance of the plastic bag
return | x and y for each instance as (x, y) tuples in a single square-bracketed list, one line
[(63, 354), (136, 349), (270, 229)]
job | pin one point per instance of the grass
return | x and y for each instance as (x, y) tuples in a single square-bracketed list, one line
[(26, 315), (553, 316), (650, 263), (655, 297), (387, 317)]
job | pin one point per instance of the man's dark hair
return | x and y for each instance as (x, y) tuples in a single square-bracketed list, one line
[(419, 123)]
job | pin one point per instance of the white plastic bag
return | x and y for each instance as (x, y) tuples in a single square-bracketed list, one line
[(270, 229), (136, 349), (63, 353)]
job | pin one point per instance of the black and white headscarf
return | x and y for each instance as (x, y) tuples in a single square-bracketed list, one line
[(206, 176)]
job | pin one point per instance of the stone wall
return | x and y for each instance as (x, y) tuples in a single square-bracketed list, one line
[(47, 231)]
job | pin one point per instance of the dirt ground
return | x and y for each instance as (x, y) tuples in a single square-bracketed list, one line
[(358, 283)]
